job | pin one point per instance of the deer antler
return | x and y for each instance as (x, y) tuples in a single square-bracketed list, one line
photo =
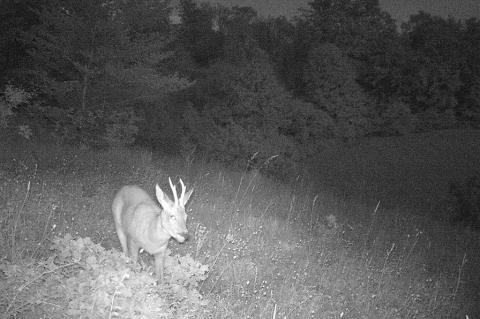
[(183, 190), (174, 191)]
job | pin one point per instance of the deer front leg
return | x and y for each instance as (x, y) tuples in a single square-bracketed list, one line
[(160, 262), (133, 250)]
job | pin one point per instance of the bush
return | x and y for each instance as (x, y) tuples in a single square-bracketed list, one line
[(471, 109), (330, 79), (432, 119), (396, 119), (238, 111), (95, 128), (11, 99), (82, 279), (121, 127), (73, 126)]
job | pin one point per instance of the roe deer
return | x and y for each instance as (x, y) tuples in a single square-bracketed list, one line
[(141, 223)]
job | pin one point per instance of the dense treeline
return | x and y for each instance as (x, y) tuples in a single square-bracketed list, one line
[(228, 84)]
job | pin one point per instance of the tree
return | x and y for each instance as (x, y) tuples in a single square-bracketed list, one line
[(236, 24), (241, 109), (83, 42), (366, 34), (197, 34), (355, 26), (16, 18), (276, 37), (146, 18), (469, 94), (75, 40), (331, 85), (431, 78)]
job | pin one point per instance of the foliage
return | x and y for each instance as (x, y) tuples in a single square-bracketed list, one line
[(197, 34), (122, 127), (75, 40), (73, 126), (430, 86), (152, 109), (396, 118), (244, 105), (79, 42), (25, 131), (469, 95), (432, 119), (359, 28), (237, 25), (354, 26), (147, 21), (100, 59), (438, 66), (85, 280), (470, 110), (16, 18), (240, 110), (107, 126), (467, 202), (330, 80), (382, 70), (212, 34), (431, 65), (11, 99), (230, 83), (274, 36), (307, 125)]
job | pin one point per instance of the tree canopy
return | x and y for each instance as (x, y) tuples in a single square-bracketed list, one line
[(230, 83)]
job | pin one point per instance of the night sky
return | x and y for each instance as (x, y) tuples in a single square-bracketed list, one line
[(399, 9), (459, 9)]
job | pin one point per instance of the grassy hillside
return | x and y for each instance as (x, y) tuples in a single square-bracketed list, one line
[(273, 250), (411, 172)]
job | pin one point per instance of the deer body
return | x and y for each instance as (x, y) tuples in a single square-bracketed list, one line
[(141, 223)]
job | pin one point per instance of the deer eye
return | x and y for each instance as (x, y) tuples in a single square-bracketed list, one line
[(173, 217)]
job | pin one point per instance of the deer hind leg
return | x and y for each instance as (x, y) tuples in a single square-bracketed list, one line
[(160, 262), (123, 240)]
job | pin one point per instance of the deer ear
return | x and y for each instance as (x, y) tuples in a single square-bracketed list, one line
[(162, 197), (186, 197)]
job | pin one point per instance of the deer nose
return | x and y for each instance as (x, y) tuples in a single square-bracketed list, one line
[(185, 235)]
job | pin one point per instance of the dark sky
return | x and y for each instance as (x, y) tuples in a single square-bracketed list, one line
[(399, 9), (459, 9)]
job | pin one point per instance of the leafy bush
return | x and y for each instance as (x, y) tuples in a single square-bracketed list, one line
[(396, 118), (11, 99), (74, 126), (331, 86), (238, 110), (433, 119), (121, 127), (307, 125), (95, 128), (84, 280), (467, 202), (471, 110)]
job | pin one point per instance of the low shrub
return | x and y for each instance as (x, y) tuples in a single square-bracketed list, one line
[(82, 279)]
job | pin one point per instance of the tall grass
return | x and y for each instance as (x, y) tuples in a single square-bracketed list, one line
[(412, 172), (274, 250)]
